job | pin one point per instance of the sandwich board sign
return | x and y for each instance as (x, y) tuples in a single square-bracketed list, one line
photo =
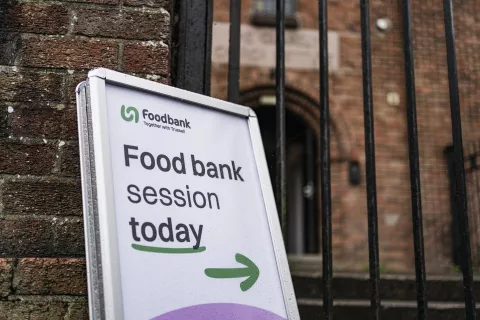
[(180, 219)]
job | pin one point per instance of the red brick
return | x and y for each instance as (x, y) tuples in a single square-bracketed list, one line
[(308, 13), (9, 46), (350, 50), (49, 276), (344, 15), (29, 86), (146, 58), (6, 276), (95, 1), (42, 198), (26, 237), (52, 52), (156, 78), (37, 18), (125, 24), (77, 310), (35, 309), (19, 158), (4, 121), (222, 11), (45, 122), (72, 82), (69, 238), (150, 3), (70, 161), (347, 86)]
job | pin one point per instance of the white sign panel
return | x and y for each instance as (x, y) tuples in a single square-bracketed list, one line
[(180, 218), (257, 47)]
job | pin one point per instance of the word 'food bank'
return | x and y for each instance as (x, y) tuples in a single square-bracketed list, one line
[(161, 161)]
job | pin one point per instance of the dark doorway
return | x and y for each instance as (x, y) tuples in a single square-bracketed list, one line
[(302, 221)]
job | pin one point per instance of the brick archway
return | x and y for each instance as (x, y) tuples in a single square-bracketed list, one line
[(309, 110)]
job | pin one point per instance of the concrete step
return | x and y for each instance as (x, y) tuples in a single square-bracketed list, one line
[(312, 309), (307, 280)]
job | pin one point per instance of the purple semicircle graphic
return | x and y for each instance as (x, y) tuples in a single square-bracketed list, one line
[(219, 311)]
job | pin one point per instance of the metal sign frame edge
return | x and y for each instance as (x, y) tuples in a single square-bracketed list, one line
[(102, 255)]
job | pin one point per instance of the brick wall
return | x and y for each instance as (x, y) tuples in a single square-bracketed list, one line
[(435, 123), (350, 240), (46, 49)]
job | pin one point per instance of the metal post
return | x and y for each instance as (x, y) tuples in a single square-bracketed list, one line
[(325, 163), (460, 187), (281, 183), (193, 39), (234, 51), (370, 160), (414, 161)]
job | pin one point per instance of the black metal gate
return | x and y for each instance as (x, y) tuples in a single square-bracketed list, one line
[(472, 177), (192, 66), (472, 168)]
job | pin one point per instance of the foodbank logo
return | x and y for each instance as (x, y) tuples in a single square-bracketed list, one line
[(129, 114)]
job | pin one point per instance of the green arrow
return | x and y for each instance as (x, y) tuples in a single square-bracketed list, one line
[(251, 271)]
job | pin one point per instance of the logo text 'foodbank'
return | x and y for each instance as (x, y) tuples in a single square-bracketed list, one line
[(166, 119), (131, 113)]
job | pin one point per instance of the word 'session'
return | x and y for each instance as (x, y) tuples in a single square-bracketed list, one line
[(184, 197)]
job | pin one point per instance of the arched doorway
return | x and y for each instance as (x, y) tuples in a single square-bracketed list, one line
[(302, 173), (302, 223)]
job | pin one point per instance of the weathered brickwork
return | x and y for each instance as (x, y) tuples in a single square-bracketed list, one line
[(350, 240), (46, 49)]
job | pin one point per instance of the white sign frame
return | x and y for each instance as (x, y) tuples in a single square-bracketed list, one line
[(102, 254)]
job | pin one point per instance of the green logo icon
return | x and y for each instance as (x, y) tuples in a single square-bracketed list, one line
[(129, 114)]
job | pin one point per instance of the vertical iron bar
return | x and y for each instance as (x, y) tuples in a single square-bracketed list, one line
[(234, 51), (455, 246), (193, 40), (208, 47), (414, 161), (471, 181), (281, 183), (460, 187), (476, 204), (325, 162), (370, 160)]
